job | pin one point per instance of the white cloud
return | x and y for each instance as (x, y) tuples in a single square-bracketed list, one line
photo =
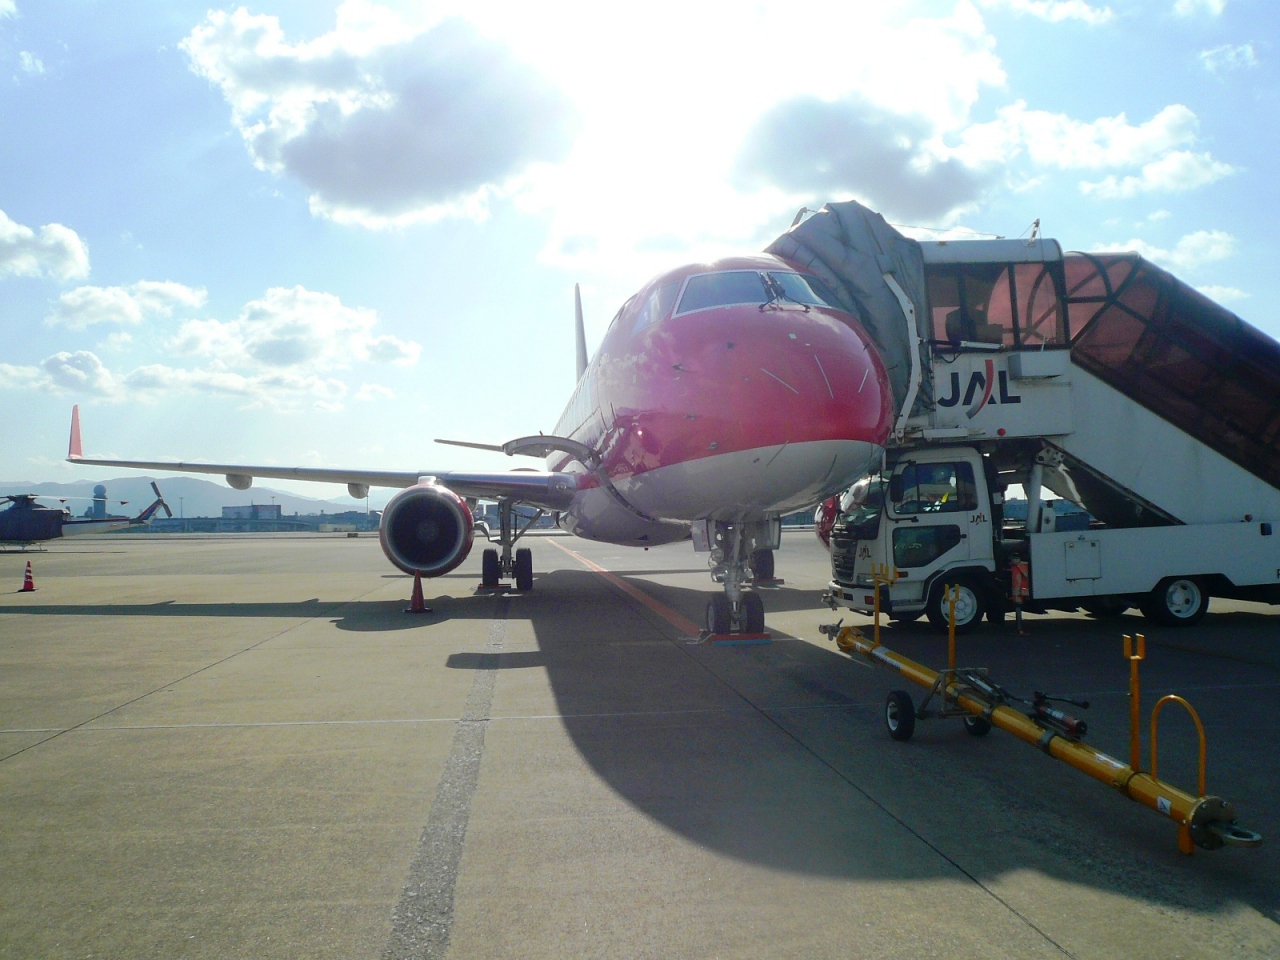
[(1229, 57), (117, 340), (1175, 172), (385, 122), (1056, 140), (825, 148), (8, 8), (30, 63), (80, 372), (294, 327), (275, 389), (19, 378), (1223, 294), (1054, 11), (146, 299), (1188, 8), (56, 251), (1192, 251), (278, 352)]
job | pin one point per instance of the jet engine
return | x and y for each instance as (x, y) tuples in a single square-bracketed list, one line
[(426, 529)]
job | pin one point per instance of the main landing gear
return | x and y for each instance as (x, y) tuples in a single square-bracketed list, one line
[(740, 554), (514, 564)]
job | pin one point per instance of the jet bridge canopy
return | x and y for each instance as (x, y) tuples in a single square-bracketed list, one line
[(1168, 347)]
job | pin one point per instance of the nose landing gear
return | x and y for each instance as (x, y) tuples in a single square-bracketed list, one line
[(737, 615)]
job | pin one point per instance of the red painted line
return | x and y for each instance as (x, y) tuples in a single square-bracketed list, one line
[(680, 622)]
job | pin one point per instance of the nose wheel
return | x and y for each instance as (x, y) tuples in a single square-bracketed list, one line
[(725, 618)]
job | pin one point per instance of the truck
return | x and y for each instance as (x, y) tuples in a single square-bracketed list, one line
[(1099, 378)]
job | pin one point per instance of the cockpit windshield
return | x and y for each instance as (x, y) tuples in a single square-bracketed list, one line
[(722, 290), (736, 287), (807, 290)]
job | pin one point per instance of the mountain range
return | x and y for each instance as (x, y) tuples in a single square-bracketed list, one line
[(187, 496)]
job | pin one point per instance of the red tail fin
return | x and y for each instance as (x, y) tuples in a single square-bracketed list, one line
[(74, 452)]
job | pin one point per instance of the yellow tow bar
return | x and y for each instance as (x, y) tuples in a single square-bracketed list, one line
[(1204, 821)]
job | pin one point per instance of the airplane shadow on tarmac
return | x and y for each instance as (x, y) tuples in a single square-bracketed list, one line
[(777, 755)]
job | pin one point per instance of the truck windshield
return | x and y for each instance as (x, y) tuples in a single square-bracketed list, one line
[(862, 507), (937, 488)]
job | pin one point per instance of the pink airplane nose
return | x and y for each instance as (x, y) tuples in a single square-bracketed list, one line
[(747, 378)]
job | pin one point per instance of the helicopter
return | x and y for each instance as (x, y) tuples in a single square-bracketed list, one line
[(26, 522)]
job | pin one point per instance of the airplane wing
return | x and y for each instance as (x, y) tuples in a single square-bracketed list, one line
[(552, 491)]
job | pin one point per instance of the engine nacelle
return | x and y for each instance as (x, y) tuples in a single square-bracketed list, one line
[(426, 529)]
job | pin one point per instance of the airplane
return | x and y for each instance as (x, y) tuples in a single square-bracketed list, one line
[(26, 522), (722, 397)]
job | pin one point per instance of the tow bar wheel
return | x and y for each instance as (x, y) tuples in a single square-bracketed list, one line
[(900, 715)]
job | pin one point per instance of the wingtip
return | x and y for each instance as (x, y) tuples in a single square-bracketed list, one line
[(74, 450)]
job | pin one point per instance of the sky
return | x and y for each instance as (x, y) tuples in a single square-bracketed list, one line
[(317, 233)]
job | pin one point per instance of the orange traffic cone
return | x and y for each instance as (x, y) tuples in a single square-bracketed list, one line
[(417, 605), (28, 581)]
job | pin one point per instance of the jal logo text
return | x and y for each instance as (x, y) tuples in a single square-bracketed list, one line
[(979, 389)]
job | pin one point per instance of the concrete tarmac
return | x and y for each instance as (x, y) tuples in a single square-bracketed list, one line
[(242, 747)]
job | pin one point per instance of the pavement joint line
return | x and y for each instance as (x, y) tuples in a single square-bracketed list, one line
[(781, 708), (423, 919), (409, 720), (679, 621), (207, 666)]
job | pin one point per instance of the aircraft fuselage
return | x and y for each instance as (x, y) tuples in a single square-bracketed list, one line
[(703, 409)]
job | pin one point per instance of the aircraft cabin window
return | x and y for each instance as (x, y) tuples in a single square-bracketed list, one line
[(658, 305), (937, 488), (722, 290)]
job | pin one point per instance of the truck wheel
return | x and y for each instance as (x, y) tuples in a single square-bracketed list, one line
[(969, 608), (900, 715), (1176, 602)]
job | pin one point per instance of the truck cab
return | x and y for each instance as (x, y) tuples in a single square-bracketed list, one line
[(929, 516)]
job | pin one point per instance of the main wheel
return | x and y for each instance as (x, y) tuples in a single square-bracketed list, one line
[(490, 573), (524, 569), (752, 613), (762, 564), (900, 715), (1176, 602), (976, 726), (969, 607), (719, 614)]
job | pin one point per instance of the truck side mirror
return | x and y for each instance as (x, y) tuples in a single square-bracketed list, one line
[(895, 488)]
